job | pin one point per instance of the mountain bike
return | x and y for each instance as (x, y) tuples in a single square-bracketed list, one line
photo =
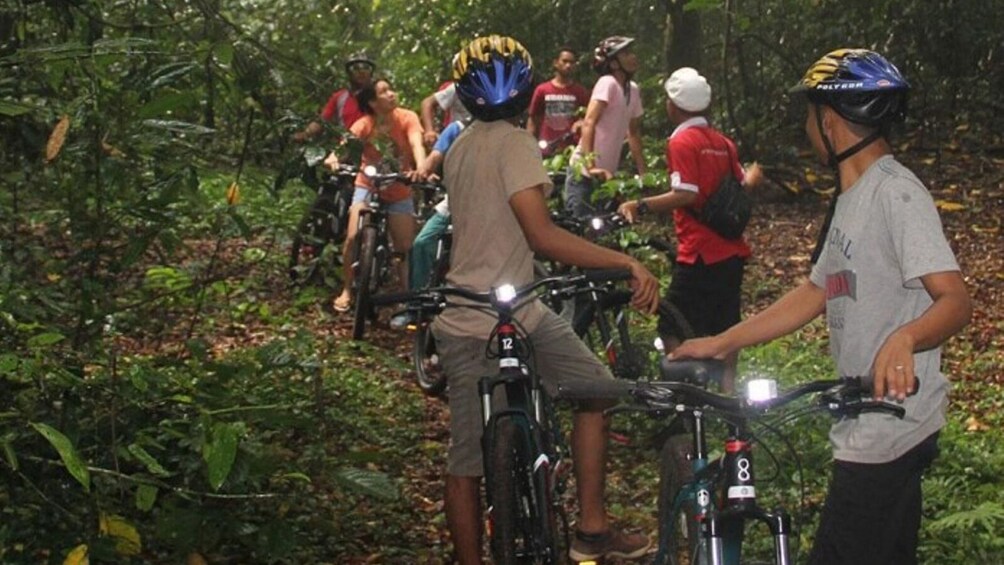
[(703, 505), (313, 253), (522, 445), (372, 266), (428, 370), (603, 317)]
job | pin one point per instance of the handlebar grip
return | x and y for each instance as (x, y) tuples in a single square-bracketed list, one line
[(607, 275), (695, 371), (391, 298), (595, 390), (867, 384)]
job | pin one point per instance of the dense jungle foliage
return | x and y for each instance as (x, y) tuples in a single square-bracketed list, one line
[(164, 396)]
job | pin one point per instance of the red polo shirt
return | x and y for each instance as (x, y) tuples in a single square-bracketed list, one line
[(699, 157), (350, 108)]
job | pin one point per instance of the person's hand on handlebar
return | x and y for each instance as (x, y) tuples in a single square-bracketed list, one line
[(599, 173), (645, 287), (429, 137), (414, 175), (331, 161), (893, 369), (701, 348), (629, 210)]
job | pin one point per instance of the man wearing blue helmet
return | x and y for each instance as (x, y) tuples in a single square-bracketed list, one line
[(891, 290), (497, 187)]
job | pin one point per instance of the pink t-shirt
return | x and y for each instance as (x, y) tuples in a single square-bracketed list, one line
[(612, 127)]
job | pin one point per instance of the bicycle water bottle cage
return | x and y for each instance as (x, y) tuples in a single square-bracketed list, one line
[(698, 372)]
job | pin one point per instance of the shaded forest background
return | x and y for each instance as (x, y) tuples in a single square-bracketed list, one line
[(159, 387)]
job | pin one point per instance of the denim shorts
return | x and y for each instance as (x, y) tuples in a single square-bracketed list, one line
[(406, 206)]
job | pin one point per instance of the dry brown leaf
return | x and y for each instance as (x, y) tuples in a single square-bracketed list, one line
[(195, 559), (233, 193), (57, 138), (110, 149), (949, 206)]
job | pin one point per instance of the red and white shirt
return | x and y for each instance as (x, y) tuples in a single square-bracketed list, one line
[(699, 157)]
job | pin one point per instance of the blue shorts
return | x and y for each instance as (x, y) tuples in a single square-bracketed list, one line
[(406, 206)]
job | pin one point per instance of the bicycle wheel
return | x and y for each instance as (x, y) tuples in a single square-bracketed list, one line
[(679, 530), (365, 277), (309, 252), (522, 522), (431, 378)]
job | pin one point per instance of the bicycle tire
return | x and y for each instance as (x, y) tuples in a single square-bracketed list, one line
[(365, 278), (321, 228), (678, 523), (428, 371), (523, 524)]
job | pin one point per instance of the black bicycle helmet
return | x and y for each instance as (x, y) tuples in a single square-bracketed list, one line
[(359, 57), (494, 76), (861, 85), (606, 50)]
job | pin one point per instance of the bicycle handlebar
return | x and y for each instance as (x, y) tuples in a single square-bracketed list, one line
[(846, 396), (435, 298)]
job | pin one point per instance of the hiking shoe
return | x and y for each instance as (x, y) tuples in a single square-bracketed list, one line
[(612, 543)]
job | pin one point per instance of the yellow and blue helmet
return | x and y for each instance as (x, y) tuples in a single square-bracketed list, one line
[(494, 76), (861, 85)]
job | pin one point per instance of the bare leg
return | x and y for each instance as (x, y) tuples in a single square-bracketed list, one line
[(349, 255), (402, 235), (463, 517), (589, 454)]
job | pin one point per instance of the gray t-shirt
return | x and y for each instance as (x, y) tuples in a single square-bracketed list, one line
[(885, 235), (488, 164)]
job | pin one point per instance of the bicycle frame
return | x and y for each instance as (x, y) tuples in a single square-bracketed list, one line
[(526, 407)]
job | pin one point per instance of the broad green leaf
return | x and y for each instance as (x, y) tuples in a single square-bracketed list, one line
[(220, 452), (148, 460), (369, 483), (74, 464), (146, 497), (44, 340), (165, 103), (10, 108)]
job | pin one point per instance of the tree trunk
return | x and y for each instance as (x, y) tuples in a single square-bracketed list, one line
[(684, 37)]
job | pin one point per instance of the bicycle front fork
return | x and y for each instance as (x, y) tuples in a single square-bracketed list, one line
[(714, 524)]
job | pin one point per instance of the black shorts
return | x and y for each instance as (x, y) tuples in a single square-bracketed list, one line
[(708, 297), (872, 512)]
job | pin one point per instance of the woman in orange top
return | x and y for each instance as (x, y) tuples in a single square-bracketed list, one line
[(383, 121)]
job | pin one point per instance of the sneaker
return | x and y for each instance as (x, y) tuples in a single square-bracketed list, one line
[(612, 543), (402, 320)]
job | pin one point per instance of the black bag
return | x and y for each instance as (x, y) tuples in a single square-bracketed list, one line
[(728, 209)]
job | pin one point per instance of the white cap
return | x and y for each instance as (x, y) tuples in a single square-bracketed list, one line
[(688, 90)]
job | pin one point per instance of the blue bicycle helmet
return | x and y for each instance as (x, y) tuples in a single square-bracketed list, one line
[(861, 85), (494, 76)]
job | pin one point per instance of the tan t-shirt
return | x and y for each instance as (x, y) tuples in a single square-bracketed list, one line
[(484, 168)]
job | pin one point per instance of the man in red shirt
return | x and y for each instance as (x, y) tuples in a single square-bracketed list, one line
[(708, 273), (342, 104), (555, 105)]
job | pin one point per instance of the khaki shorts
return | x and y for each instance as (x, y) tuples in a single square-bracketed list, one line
[(561, 357)]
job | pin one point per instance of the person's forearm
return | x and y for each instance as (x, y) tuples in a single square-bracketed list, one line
[(561, 246), (949, 313), (428, 116), (634, 143), (795, 309), (667, 202), (588, 136)]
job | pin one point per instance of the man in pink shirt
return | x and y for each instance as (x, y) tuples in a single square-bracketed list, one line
[(613, 115), (555, 105)]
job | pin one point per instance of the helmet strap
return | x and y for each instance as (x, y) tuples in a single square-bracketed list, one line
[(834, 161)]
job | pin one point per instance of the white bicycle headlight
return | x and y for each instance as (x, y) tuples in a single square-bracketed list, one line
[(597, 224), (370, 171), (761, 390), (505, 293)]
